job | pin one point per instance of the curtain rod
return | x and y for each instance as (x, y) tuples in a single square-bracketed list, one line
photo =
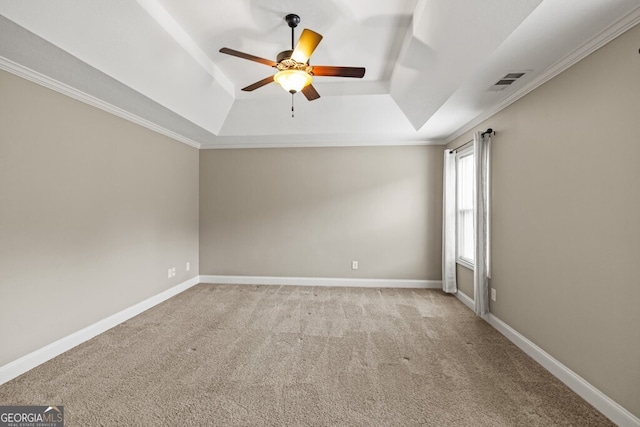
[(488, 131)]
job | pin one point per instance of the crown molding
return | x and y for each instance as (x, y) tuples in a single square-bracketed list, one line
[(48, 82), (292, 143), (618, 28), (53, 84)]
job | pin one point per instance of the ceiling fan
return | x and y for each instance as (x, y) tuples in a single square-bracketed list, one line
[(294, 72)]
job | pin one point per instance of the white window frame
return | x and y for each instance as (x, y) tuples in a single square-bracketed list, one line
[(466, 262)]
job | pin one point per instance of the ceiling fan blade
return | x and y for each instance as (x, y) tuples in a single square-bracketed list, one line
[(259, 84), (247, 56), (310, 93), (307, 43), (329, 71)]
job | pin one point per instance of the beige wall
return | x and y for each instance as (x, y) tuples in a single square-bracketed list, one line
[(309, 212), (93, 211), (566, 218)]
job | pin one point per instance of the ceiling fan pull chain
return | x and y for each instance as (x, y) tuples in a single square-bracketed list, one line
[(292, 105)]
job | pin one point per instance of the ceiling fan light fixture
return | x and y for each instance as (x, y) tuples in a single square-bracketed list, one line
[(294, 72), (293, 81)]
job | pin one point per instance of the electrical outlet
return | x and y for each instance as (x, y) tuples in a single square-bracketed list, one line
[(173, 272), (169, 274), (188, 266), (493, 294), (354, 265)]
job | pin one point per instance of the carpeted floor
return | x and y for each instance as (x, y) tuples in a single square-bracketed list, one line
[(229, 355)]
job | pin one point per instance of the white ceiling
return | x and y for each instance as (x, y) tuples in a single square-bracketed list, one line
[(431, 64)]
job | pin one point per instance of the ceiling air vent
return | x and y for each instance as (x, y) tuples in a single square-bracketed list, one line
[(507, 81)]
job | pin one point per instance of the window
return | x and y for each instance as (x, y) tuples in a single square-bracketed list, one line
[(464, 207)]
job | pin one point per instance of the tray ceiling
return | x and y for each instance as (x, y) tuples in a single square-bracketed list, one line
[(431, 65)]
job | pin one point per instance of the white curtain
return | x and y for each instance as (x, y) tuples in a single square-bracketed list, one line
[(449, 283), (481, 150)]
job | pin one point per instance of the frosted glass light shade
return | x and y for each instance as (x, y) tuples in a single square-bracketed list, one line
[(293, 80)]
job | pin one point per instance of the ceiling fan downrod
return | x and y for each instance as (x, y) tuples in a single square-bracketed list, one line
[(292, 20)]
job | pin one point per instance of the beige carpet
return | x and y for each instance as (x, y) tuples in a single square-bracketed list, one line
[(229, 355)]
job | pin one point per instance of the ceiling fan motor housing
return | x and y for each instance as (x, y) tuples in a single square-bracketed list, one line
[(285, 54), (285, 62)]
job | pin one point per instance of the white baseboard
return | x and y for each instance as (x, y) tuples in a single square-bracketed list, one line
[(466, 300), (595, 397), (322, 281), (31, 360)]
